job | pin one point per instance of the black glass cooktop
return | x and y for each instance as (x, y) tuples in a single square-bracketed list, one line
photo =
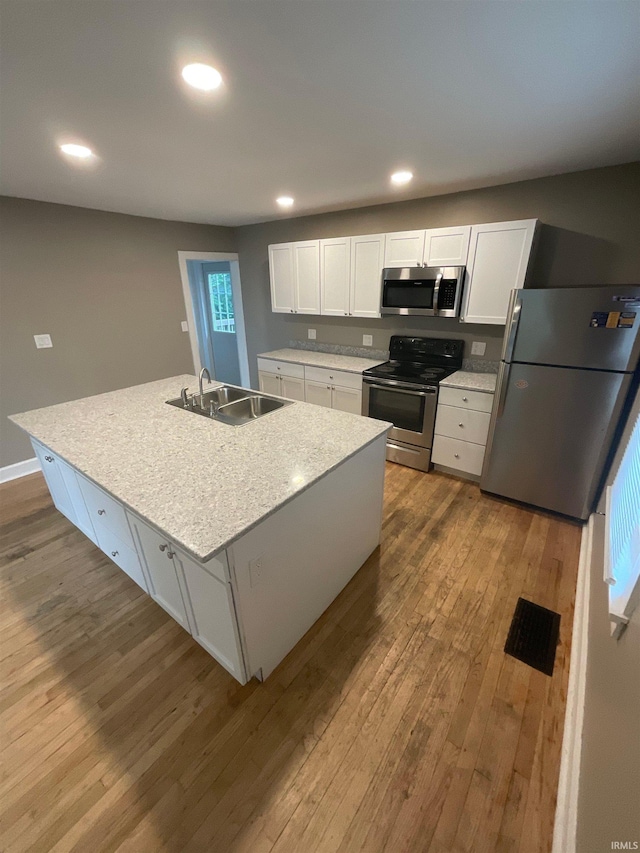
[(414, 372)]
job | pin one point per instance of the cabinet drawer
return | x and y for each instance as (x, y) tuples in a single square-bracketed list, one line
[(282, 368), (121, 554), (478, 400), (334, 377), (460, 455), (106, 511), (464, 424)]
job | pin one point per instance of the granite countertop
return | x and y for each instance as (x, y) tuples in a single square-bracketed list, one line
[(348, 363), (201, 482), (471, 381)]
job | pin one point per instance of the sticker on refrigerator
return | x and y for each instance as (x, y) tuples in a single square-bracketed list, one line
[(612, 319)]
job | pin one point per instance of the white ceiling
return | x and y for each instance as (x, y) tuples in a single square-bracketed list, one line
[(322, 100)]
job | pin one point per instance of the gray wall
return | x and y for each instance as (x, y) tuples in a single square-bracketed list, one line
[(590, 234), (106, 287)]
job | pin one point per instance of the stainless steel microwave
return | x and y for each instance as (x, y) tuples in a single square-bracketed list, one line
[(430, 291)]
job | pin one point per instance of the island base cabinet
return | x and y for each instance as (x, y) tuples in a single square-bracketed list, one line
[(212, 616), (307, 551), (162, 578)]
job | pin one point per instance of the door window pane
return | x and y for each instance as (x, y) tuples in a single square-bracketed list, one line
[(221, 299)]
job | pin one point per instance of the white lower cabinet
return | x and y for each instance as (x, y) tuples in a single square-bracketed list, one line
[(52, 469), (462, 426), (157, 555), (334, 389), (212, 613), (197, 595), (122, 555), (281, 378)]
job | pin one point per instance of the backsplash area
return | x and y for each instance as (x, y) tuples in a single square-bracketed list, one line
[(340, 349), (472, 365)]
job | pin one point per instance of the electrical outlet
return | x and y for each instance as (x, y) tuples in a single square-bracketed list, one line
[(256, 568), (478, 348), (43, 341), (367, 340), (184, 326), (311, 334)]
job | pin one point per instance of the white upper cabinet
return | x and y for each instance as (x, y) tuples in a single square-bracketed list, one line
[(404, 248), (367, 255), (335, 272), (447, 247), (294, 272), (306, 266), (498, 259), (282, 277)]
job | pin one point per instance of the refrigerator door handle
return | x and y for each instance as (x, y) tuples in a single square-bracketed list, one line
[(502, 384), (513, 319)]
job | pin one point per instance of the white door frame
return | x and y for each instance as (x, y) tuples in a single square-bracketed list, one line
[(241, 335)]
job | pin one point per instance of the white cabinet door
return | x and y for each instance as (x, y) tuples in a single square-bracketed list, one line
[(157, 555), (269, 383), (306, 264), (346, 400), (82, 517), (292, 388), (404, 249), (52, 469), (447, 247), (212, 615), (498, 258), (335, 272), (367, 256), (281, 275), (318, 393)]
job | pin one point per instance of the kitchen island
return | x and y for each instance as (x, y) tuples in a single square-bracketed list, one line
[(244, 534)]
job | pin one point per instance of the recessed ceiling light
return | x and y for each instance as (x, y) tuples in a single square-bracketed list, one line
[(201, 76), (74, 150), (401, 177), (285, 201)]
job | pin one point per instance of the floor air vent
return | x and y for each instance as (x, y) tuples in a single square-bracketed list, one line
[(533, 636)]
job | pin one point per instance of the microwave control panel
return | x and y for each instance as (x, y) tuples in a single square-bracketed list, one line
[(447, 293)]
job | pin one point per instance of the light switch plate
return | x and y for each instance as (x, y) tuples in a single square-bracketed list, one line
[(478, 348), (43, 341), (184, 326), (311, 334), (367, 340)]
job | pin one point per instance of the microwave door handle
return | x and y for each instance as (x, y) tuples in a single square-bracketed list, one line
[(436, 293)]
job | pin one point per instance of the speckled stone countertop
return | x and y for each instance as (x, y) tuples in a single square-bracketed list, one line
[(331, 361), (471, 381), (201, 482)]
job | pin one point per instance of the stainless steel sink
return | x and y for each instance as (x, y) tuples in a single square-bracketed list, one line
[(231, 405), (248, 409)]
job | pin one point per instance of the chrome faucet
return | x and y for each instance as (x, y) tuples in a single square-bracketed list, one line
[(200, 383)]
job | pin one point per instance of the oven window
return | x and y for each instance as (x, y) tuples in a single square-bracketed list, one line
[(405, 411), (408, 294)]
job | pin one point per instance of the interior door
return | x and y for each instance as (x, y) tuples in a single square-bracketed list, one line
[(550, 434), (221, 333)]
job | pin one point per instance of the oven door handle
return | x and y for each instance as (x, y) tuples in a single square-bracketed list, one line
[(398, 386)]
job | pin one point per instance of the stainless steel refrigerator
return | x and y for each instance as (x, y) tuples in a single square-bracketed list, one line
[(569, 362)]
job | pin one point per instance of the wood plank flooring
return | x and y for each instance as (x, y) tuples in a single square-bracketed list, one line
[(396, 724)]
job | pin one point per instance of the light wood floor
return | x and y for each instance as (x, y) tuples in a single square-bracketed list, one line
[(396, 724)]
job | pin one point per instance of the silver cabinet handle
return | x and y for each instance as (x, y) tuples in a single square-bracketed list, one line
[(49, 458), (291, 309), (464, 399), (461, 425), (330, 376), (163, 547), (102, 512), (114, 553), (457, 455), (171, 554), (278, 368)]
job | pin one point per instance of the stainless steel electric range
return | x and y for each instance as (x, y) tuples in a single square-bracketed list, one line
[(404, 391)]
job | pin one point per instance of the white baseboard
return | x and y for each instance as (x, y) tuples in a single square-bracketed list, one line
[(19, 469), (566, 819)]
